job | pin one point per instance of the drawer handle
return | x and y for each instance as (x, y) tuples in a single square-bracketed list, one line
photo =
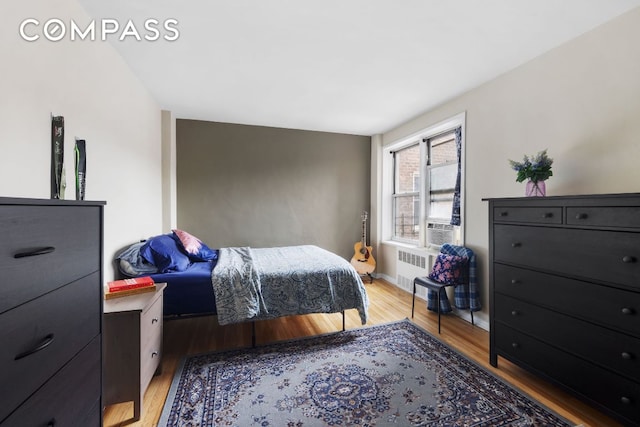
[(627, 310), (582, 216), (515, 345), (515, 281), (35, 252), (515, 313), (46, 341), (547, 215), (154, 320), (626, 356), (154, 354), (516, 244), (504, 213), (625, 400), (628, 259)]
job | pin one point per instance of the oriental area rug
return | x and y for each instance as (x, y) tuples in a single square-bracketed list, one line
[(388, 375)]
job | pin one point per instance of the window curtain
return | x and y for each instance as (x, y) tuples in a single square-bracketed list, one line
[(455, 211)]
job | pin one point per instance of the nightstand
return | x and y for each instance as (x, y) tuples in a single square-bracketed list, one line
[(132, 346)]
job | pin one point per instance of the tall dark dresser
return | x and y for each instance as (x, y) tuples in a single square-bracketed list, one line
[(50, 312), (565, 294)]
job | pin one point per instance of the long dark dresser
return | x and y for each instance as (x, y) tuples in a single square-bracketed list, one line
[(565, 294), (50, 312)]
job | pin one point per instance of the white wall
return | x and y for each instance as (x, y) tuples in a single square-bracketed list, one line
[(88, 83), (169, 178), (580, 100)]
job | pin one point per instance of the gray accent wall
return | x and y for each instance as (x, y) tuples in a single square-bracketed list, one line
[(240, 185)]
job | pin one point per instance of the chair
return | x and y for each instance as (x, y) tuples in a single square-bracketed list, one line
[(454, 266)]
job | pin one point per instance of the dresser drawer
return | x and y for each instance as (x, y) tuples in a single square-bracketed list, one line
[(61, 323), (69, 397), (611, 307), (613, 392), (615, 216), (54, 245), (606, 256), (616, 351), (537, 215), (151, 341), (93, 418)]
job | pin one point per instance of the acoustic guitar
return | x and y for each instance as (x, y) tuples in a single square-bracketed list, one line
[(362, 259)]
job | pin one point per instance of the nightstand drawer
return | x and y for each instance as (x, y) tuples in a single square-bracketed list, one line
[(608, 256), (150, 358), (151, 341), (612, 216), (151, 323), (54, 245), (603, 305), (537, 215), (40, 336), (68, 397), (619, 352)]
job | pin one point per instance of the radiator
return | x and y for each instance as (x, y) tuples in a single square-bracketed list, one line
[(411, 264)]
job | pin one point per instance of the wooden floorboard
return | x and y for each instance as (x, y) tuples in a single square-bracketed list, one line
[(387, 304)]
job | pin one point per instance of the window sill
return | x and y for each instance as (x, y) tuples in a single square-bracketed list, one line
[(403, 245)]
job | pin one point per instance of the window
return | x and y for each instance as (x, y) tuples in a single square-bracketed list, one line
[(406, 197), (442, 172), (425, 171)]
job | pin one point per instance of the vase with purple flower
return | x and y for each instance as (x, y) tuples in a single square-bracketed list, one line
[(536, 170), (535, 189)]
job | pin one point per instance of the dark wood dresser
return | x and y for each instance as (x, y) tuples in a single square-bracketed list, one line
[(565, 294), (50, 312)]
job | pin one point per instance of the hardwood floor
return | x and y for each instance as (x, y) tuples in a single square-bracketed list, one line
[(387, 303)]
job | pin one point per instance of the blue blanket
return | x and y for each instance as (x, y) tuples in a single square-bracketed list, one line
[(265, 283)]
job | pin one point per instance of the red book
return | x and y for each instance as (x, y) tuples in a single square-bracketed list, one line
[(128, 292), (126, 284)]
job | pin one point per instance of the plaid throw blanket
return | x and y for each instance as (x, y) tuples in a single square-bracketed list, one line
[(466, 296)]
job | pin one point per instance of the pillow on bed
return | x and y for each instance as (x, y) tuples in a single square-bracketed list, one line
[(195, 249), (449, 269), (132, 264), (163, 252)]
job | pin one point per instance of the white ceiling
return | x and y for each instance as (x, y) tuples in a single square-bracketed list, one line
[(350, 66)]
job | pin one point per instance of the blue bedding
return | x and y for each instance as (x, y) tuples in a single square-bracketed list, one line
[(188, 292)]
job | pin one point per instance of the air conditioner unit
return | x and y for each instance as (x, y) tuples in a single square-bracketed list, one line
[(439, 233)]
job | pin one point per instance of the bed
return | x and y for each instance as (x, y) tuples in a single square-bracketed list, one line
[(245, 284), (188, 292)]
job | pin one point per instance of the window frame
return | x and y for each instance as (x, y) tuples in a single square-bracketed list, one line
[(429, 166), (397, 195), (424, 196)]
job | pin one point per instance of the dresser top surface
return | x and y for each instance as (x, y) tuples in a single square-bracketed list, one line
[(628, 199), (49, 202)]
